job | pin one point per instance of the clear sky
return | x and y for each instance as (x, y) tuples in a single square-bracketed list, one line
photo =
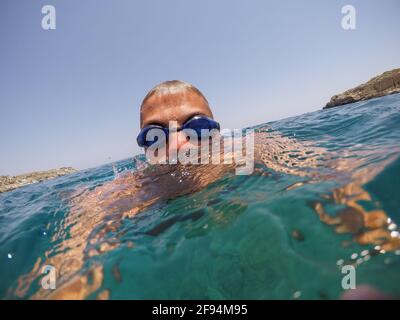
[(70, 96)]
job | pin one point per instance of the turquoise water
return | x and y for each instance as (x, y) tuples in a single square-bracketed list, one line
[(241, 237)]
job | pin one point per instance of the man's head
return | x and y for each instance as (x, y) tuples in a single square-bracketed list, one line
[(173, 101)]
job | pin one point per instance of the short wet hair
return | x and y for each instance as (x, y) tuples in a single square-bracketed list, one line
[(171, 87)]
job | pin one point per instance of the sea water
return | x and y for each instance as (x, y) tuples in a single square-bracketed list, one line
[(260, 236)]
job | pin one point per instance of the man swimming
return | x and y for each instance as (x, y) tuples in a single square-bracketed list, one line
[(93, 223), (177, 126), (186, 108)]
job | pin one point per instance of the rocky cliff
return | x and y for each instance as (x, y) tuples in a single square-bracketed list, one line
[(8, 183), (382, 85)]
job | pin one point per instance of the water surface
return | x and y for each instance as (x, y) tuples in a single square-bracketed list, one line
[(276, 234)]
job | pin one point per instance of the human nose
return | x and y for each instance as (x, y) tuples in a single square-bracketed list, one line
[(177, 139)]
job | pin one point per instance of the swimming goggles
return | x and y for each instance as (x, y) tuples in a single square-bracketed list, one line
[(196, 123)]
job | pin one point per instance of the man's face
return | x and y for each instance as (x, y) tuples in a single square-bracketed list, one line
[(179, 107)]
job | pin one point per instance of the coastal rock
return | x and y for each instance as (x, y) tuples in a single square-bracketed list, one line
[(382, 85), (8, 183)]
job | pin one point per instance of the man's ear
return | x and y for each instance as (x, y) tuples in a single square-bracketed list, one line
[(141, 117)]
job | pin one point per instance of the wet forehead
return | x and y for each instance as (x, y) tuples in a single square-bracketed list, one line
[(179, 107)]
